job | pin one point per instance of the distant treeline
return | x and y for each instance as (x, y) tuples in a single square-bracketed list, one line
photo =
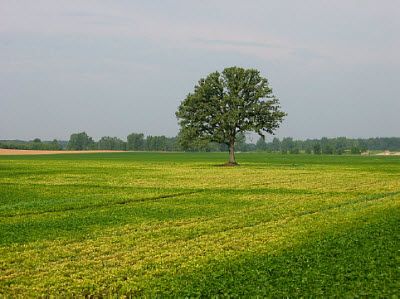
[(35, 144), (134, 142), (337, 146), (140, 142)]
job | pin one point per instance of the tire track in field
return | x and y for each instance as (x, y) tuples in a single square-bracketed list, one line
[(107, 204), (286, 218), (133, 200), (366, 198), (291, 216)]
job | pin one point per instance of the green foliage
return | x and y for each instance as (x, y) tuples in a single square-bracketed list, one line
[(287, 145), (276, 145), (261, 145), (176, 225), (81, 141), (240, 144), (136, 142), (317, 149), (326, 146), (225, 104), (56, 145), (161, 143), (345, 263), (111, 143), (355, 150), (340, 145), (35, 144), (156, 143)]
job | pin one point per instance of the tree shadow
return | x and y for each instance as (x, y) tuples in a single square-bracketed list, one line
[(357, 261), (227, 164)]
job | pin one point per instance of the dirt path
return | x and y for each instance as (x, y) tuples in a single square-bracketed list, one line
[(389, 154), (38, 152)]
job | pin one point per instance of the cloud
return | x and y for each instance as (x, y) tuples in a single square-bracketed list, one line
[(113, 20), (341, 40), (58, 50), (239, 43)]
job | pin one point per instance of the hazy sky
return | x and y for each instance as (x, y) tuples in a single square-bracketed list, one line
[(115, 67)]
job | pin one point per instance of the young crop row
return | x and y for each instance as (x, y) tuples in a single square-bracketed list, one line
[(122, 225)]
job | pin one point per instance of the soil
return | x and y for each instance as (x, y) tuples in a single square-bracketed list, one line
[(387, 153)]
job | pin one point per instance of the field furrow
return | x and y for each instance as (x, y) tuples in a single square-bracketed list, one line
[(129, 224)]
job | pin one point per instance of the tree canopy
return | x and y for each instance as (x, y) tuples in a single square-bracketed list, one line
[(225, 104), (136, 141), (80, 141), (111, 143)]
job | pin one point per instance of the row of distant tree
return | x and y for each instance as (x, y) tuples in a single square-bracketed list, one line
[(338, 146), (134, 142), (35, 144), (140, 142)]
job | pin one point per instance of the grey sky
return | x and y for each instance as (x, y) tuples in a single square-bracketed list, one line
[(115, 67)]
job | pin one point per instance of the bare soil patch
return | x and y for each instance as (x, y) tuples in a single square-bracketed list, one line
[(387, 153)]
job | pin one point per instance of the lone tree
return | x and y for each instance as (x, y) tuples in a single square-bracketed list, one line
[(225, 104)]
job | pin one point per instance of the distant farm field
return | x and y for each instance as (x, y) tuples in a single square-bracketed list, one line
[(179, 224)]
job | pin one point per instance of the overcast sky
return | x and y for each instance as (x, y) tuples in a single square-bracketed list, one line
[(115, 67)]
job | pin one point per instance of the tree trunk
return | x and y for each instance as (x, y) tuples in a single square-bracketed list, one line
[(232, 160)]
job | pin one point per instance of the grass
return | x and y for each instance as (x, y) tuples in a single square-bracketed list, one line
[(174, 224)]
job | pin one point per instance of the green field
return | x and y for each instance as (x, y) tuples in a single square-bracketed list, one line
[(179, 224)]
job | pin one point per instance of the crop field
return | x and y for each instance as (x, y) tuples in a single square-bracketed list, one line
[(179, 224)]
